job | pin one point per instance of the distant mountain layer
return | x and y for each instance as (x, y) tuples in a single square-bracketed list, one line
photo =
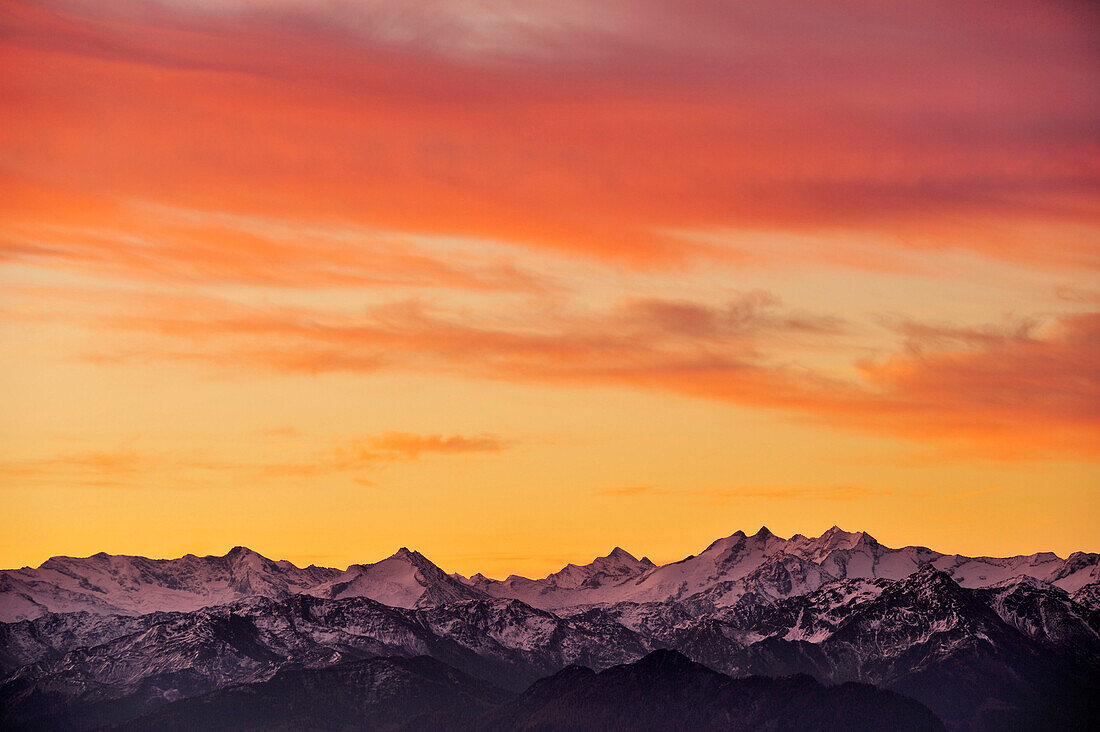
[(738, 569), (985, 643), (663, 691)]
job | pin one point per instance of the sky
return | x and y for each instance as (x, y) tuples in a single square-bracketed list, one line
[(513, 282)]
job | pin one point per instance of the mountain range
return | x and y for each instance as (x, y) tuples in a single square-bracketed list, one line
[(733, 571), (982, 642)]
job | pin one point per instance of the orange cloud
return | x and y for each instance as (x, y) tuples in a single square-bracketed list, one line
[(571, 127), (375, 450), (127, 467), (162, 245), (731, 495), (1025, 390), (412, 446), (1041, 388), (89, 463)]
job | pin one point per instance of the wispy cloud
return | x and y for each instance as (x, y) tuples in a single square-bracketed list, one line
[(133, 467), (721, 496), (629, 490), (158, 244), (1029, 389), (90, 467), (1021, 389), (411, 446)]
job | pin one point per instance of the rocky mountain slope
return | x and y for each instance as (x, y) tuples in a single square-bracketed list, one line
[(763, 568), (116, 584), (983, 651), (979, 658)]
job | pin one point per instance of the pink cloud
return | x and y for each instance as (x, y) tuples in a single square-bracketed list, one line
[(568, 127)]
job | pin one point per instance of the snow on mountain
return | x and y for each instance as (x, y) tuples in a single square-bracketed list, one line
[(572, 585), (1089, 596), (956, 649), (128, 585), (723, 571), (406, 579), (763, 568), (733, 571), (1047, 615)]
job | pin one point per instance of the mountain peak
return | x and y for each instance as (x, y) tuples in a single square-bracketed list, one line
[(930, 577), (415, 558), (622, 555), (410, 555), (724, 542), (242, 556), (406, 579), (616, 566), (838, 538)]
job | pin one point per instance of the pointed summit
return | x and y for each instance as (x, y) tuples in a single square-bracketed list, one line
[(619, 557), (406, 579), (405, 555), (838, 538), (928, 578), (726, 542), (241, 558)]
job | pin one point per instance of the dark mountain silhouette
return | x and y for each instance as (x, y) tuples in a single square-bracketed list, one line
[(373, 694), (662, 691)]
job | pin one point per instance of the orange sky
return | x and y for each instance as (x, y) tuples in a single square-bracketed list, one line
[(517, 282)]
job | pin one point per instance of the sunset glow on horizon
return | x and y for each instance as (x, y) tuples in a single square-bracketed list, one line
[(515, 282)]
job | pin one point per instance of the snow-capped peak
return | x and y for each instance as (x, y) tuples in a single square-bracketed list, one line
[(404, 579), (128, 585), (621, 561)]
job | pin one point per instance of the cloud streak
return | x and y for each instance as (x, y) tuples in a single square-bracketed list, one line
[(1028, 389), (567, 127), (725, 496), (124, 468)]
